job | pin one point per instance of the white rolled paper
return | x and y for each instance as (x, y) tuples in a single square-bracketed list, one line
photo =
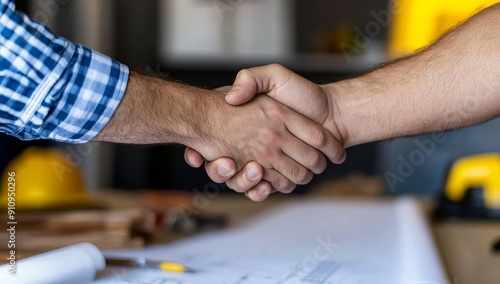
[(73, 264)]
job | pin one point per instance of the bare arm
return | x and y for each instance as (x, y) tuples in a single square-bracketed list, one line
[(155, 111), (158, 111), (453, 83)]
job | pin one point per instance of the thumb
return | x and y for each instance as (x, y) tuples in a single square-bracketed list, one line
[(284, 86), (253, 81)]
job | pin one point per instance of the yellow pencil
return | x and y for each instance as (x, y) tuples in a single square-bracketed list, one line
[(174, 267), (168, 266)]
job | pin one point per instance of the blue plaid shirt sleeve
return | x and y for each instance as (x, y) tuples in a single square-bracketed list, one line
[(51, 88)]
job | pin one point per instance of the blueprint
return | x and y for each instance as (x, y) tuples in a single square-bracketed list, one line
[(309, 241)]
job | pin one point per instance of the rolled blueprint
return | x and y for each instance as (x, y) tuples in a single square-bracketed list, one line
[(73, 264)]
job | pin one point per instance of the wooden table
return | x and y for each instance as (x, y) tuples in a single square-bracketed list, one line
[(465, 246), (466, 250)]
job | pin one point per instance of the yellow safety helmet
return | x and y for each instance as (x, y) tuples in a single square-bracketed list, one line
[(43, 179), (476, 171), (418, 23)]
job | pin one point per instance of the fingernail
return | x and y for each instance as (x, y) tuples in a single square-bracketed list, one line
[(262, 190), (233, 91), (224, 170), (253, 174)]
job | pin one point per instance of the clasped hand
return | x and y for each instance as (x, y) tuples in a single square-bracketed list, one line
[(283, 139)]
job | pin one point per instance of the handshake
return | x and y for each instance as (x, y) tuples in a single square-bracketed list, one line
[(273, 129), (276, 135)]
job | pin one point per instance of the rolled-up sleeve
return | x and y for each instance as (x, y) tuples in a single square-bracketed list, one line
[(51, 88)]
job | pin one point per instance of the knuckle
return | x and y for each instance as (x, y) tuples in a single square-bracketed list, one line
[(244, 73), (276, 67), (281, 183), (302, 176), (274, 112), (268, 136), (320, 138), (315, 160), (287, 188)]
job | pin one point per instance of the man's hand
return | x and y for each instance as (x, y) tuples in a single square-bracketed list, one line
[(267, 132), (285, 143), (290, 89), (224, 170)]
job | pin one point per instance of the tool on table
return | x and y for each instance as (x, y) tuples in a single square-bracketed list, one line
[(146, 263), (178, 221), (472, 190), (496, 247)]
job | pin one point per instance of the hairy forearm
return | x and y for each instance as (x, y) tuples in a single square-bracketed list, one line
[(153, 111), (454, 83), (157, 111)]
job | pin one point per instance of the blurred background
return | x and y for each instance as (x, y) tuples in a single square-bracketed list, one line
[(206, 42)]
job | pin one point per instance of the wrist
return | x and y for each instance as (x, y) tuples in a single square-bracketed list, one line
[(155, 111), (354, 112), (170, 111), (211, 120), (191, 111), (337, 101)]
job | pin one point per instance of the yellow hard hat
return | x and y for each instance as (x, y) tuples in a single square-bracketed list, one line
[(43, 178), (481, 170), (416, 24)]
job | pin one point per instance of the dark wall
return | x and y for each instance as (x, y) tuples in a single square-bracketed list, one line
[(316, 19), (136, 32), (164, 166)]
